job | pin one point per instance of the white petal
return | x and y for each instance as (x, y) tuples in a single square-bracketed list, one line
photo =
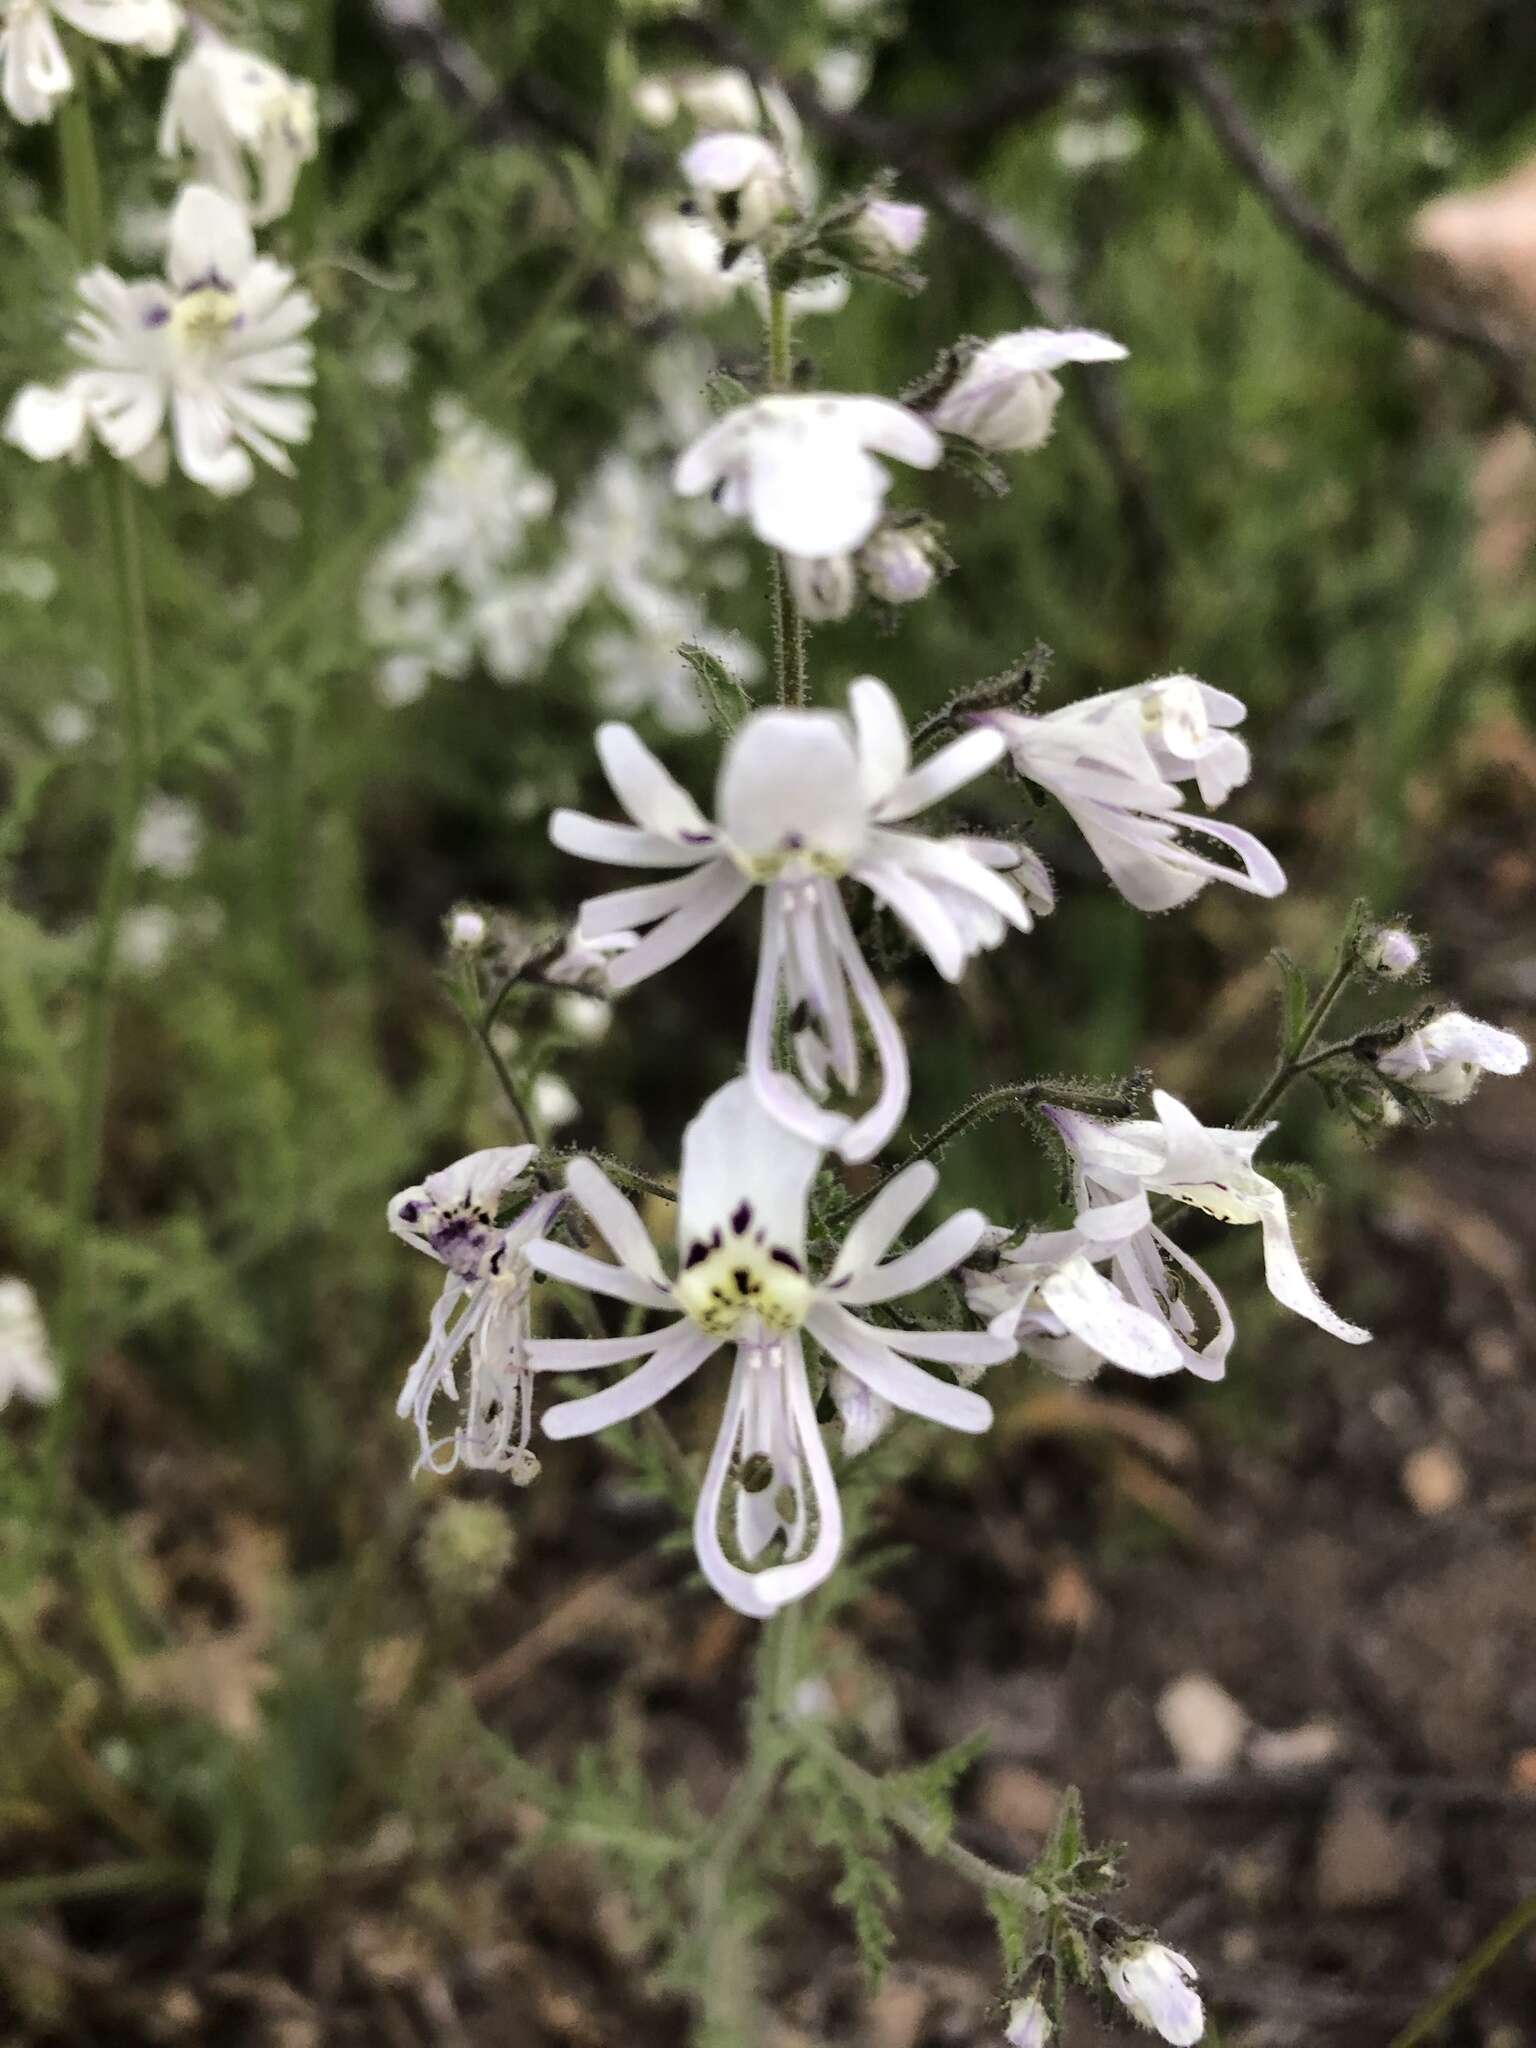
[(921, 911), (644, 787), (681, 1352), (814, 499), (581, 1354), (883, 1221), (885, 753), (943, 773), (597, 1276), (614, 1217), (735, 1152), (210, 237), (938, 1253), (205, 445), (718, 889), (892, 429), (905, 1386), (627, 910), (1287, 1279), (620, 846), (47, 422), (1095, 1311), (790, 779)]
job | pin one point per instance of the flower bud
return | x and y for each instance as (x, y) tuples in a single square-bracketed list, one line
[(1390, 952), (1029, 2024), (467, 930), (465, 1551), (899, 564), (1156, 1986), (741, 180), (824, 589), (654, 102), (723, 99), (888, 231), (1005, 398)]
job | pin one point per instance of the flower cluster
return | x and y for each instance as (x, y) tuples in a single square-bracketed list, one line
[(209, 360)]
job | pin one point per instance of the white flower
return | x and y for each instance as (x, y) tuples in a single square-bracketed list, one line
[(217, 347), (249, 127), (1005, 398), (1047, 1296), (804, 798), (890, 229), (146, 936), (1117, 1164), (1391, 953), (1447, 1057), (26, 1363), (688, 257), (741, 180), (1029, 2024), (742, 1279), (842, 77), (474, 508), (1156, 1985), (824, 589), (719, 99), (654, 101), (467, 930), (35, 74), (169, 836), (452, 1217), (584, 1018), (802, 471), (554, 1103), (1115, 762), (589, 960), (899, 564)]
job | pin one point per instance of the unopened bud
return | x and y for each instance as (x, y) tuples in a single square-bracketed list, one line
[(654, 102), (1029, 2024), (899, 564), (1156, 1985), (823, 590), (889, 230), (1391, 952), (467, 930)]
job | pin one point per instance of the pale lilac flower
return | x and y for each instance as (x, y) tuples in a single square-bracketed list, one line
[(1005, 398), (466, 929), (215, 351), (824, 589), (743, 1279), (1156, 1985), (888, 230), (249, 127), (803, 799), (1029, 2024), (899, 563), (1048, 1297), (590, 960), (1117, 1165), (35, 73), (802, 471), (1446, 1058), (452, 1217), (741, 180), (1115, 762), (26, 1362)]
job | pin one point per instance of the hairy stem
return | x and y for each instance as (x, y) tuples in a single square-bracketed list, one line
[(1292, 1061), (117, 513), (1469, 1976), (788, 626)]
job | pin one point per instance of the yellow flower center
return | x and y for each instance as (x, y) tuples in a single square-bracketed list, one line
[(202, 318), (723, 1283)]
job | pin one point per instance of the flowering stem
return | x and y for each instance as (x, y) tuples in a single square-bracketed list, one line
[(1467, 1978), (1291, 1062), (788, 626), (481, 1018), (117, 508)]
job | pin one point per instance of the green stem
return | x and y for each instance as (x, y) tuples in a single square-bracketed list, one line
[(1291, 1062), (788, 626), (117, 509), (1467, 1978)]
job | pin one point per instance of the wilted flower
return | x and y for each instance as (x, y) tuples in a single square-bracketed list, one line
[(216, 348), (824, 589), (1115, 762), (1117, 1164), (804, 798), (802, 471), (1156, 1985), (1029, 2024), (1390, 952), (1005, 398), (743, 1279), (452, 1217), (249, 126), (26, 1363), (1446, 1058), (900, 563), (35, 74), (741, 180)]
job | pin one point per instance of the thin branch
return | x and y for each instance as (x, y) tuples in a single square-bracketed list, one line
[(1291, 210)]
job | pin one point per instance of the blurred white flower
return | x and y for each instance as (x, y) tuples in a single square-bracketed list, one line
[(742, 1279), (1005, 398), (35, 74), (1446, 1058), (146, 936), (1391, 953), (67, 725), (590, 960), (29, 577), (466, 929), (889, 229), (804, 798), (1084, 145), (842, 77), (216, 351), (1029, 2024), (719, 99), (474, 508), (1156, 1985), (249, 127), (741, 180), (585, 1018), (1047, 1295), (653, 100), (899, 563), (26, 1363), (553, 1102), (688, 257), (802, 471), (453, 1217), (1115, 761), (169, 836)]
